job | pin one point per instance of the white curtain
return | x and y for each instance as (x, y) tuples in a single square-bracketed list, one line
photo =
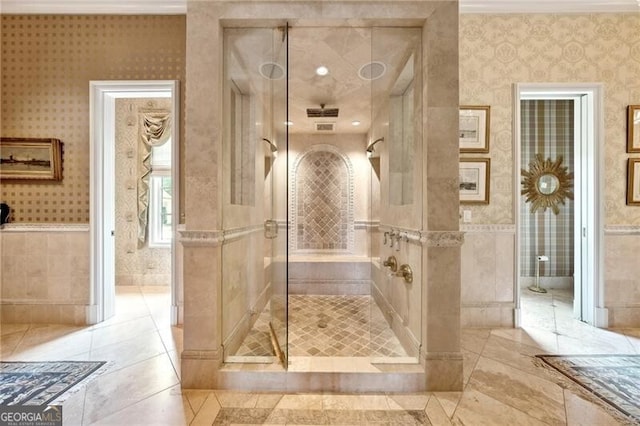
[(155, 130)]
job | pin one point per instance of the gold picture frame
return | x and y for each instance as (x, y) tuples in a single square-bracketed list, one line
[(633, 182), (633, 128), (30, 159), (474, 129), (475, 180)]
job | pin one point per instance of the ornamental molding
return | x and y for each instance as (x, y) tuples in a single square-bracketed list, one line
[(622, 230), (45, 227), (200, 238), (488, 228), (443, 238)]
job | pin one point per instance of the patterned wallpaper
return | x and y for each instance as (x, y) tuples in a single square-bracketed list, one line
[(46, 65), (547, 129), (497, 51)]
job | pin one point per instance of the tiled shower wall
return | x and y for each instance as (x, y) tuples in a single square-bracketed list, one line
[(323, 217)]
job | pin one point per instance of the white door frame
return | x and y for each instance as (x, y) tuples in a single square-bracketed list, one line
[(593, 309), (103, 95)]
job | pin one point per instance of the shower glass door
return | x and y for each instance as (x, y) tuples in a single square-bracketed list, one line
[(279, 201), (254, 188)]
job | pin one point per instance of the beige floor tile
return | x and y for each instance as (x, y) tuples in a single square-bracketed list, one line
[(166, 408), (119, 389), (269, 400), (633, 335), (354, 402), (583, 412), (474, 339), (122, 331), (9, 342), (128, 352), (514, 354), (408, 402), (196, 397), (59, 343), (435, 412), (593, 341), (449, 401), (229, 399), (505, 384), (208, 412), (476, 408), (13, 328), (301, 402), (539, 398), (73, 407), (469, 361), (546, 340)]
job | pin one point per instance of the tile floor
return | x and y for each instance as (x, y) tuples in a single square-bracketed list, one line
[(504, 382), (336, 326)]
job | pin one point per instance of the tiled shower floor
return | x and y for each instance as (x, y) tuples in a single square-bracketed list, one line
[(335, 326)]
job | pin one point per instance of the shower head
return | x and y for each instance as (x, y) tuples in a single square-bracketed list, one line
[(322, 112), (370, 148)]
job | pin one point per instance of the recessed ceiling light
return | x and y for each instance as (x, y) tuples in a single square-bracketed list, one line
[(322, 70), (355, 123)]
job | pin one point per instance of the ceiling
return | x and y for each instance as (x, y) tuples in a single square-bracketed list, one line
[(179, 6), (343, 51)]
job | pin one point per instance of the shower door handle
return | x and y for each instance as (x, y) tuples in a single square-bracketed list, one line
[(270, 229)]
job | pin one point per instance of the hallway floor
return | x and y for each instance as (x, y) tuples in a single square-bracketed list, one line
[(504, 383)]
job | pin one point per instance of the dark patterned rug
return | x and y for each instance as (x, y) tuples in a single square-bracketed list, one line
[(613, 378), (40, 383)]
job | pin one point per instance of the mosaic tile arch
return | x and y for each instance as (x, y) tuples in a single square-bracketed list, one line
[(321, 209)]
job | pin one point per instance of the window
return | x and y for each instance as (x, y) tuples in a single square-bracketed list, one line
[(160, 201), (160, 214)]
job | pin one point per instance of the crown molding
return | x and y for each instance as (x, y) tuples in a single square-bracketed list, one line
[(179, 7), (548, 6), (94, 7)]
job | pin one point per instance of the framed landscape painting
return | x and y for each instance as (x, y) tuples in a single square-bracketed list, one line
[(474, 180), (30, 159), (474, 129)]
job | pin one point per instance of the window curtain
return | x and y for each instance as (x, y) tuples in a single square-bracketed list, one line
[(154, 130)]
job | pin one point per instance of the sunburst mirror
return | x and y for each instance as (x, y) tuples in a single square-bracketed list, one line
[(547, 184)]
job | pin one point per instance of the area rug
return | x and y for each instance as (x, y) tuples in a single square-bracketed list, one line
[(41, 383), (613, 378)]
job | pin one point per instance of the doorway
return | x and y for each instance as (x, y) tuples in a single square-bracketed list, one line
[(104, 97), (585, 221)]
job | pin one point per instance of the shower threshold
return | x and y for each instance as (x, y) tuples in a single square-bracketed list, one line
[(329, 374)]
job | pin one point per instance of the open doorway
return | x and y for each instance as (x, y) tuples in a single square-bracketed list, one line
[(567, 239), (150, 107)]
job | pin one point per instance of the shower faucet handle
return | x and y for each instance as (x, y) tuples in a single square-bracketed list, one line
[(386, 234), (391, 263), (392, 236), (405, 272)]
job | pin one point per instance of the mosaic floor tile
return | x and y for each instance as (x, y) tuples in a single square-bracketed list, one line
[(342, 326)]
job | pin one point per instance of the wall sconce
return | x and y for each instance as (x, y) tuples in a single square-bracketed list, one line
[(371, 149)]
